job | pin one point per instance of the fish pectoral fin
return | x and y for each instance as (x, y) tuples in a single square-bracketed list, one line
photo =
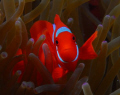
[(57, 74), (87, 51)]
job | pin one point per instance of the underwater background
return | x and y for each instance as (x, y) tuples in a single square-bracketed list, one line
[(18, 52)]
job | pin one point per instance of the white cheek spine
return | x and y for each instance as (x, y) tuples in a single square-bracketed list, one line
[(62, 29), (65, 61)]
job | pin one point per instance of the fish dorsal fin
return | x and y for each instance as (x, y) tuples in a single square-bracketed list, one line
[(57, 19), (40, 27), (87, 50)]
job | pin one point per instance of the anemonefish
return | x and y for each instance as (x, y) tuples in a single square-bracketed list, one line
[(62, 44)]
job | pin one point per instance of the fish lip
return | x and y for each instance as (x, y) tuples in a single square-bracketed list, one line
[(66, 61)]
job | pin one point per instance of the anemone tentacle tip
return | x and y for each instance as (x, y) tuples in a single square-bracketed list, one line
[(24, 84), (4, 55), (114, 16), (104, 42), (43, 36), (32, 40), (108, 16), (100, 25), (84, 84), (31, 54), (70, 19), (82, 65), (19, 72), (17, 22)]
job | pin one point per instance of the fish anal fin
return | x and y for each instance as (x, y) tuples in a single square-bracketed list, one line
[(87, 51)]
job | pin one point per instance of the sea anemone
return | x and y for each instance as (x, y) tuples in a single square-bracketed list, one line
[(19, 62)]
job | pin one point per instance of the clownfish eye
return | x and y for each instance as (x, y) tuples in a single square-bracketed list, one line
[(56, 42), (74, 38)]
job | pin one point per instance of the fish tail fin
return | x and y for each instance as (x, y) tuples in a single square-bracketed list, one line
[(87, 51), (39, 28)]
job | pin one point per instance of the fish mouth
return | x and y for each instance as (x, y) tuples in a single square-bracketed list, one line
[(66, 61)]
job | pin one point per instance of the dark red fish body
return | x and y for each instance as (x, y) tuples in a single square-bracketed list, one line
[(62, 44)]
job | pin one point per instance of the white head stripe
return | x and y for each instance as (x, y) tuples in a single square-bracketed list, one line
[(62, 29), (53, 32)]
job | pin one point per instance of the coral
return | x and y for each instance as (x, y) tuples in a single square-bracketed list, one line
[(19, 61)]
